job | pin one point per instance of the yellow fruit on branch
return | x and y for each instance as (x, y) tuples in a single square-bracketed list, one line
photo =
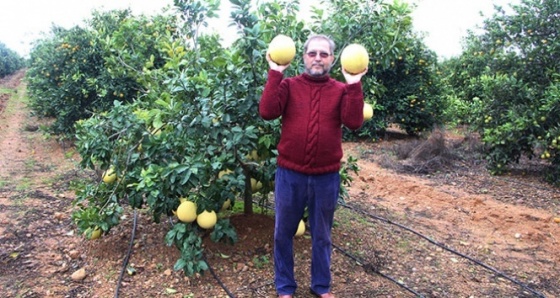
[(109, 176), (301, 228), (226, 205), (354, 58), (368, 111), (224, 172), (282, 49), (255, 185), (186, 211), (207, 219)]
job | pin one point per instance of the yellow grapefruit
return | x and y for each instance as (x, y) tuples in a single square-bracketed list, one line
[(109, 176), (224, 172), (368, 111), (354, 58), (226, 205), (207, 219), (255, 185), (95, 234), (186, 211), (301, 228), (282, 49)]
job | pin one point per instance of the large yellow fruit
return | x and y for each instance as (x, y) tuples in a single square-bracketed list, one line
[(255, 185), (207, 219), (226, 205), (282, 49), (224, 172), (186, 211), (354, 58), (95, 234), (109, 176), (301, 228), (368, 111)]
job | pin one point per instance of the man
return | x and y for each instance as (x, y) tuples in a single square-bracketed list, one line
[(313, 107)]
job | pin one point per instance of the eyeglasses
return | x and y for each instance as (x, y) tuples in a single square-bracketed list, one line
[(314, 54)]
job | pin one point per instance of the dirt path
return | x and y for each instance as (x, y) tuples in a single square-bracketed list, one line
[(507, 223)]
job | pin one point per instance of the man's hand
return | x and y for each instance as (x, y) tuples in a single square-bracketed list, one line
[(273, 64), (353, 78)]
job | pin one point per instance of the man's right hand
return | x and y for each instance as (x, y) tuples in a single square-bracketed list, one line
[(273, 64)]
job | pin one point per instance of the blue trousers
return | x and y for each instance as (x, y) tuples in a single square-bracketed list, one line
[(293, 192)]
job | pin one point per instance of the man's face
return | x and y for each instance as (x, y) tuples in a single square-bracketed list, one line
[(318, 58)]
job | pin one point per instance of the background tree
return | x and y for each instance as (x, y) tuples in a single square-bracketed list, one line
[(401, 82), (508, 75), (10, 61)]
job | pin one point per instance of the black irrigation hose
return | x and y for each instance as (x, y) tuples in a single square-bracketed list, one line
[(347, 254), (218, 278), (499, 273), (130, 245)]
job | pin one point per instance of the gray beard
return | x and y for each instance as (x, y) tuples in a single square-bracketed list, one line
[(315, 73)]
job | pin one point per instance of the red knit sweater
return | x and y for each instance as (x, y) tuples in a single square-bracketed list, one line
[(313, 111)]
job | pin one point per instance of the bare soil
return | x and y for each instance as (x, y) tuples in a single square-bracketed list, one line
[(426, 220)]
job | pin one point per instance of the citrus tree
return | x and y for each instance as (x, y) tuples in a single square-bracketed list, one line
[(194, 135), (10, 61), (76, 72), (402, 82), (508, 76)]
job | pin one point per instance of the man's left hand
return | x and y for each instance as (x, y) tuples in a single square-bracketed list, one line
[(353, 78)]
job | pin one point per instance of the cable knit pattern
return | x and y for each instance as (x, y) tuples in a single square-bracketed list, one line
[(313, 128), (313, 111)]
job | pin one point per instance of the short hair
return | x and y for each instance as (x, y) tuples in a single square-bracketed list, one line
[(332, 45)]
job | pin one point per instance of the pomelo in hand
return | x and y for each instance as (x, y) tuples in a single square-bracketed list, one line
[(354, 58), (207, 219), (282, 49), (368, 111)]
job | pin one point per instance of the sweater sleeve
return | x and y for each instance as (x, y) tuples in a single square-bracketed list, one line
[(353, 106), (274, 97)]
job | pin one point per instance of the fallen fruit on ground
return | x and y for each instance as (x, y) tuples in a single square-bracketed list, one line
[(95, 234), (282, 49), (186, 212), (354, 58), (301, 228), (207, 219)]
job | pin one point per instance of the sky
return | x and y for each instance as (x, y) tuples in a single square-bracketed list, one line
[(444, 22)]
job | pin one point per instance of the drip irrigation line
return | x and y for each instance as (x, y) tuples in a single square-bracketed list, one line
[(217, 278), (499, 273), (125, 262), (363, 265)]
